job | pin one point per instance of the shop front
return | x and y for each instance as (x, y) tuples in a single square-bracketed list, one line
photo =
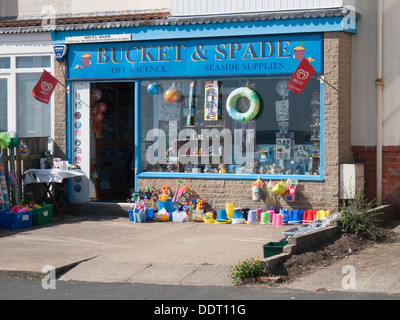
[(213, 112)]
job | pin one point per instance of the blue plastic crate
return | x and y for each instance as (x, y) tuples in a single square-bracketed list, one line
[(15, 221), (1, 212)]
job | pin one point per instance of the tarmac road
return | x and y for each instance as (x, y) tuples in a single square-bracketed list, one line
[(26, 289)]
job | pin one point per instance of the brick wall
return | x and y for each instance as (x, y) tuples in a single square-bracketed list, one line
[(390, 172), (60, 111), (337, 117)]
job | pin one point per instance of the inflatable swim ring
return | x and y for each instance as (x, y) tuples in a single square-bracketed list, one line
[(232, 105)]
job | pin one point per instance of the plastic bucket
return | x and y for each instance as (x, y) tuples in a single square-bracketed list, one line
[(168, 206)]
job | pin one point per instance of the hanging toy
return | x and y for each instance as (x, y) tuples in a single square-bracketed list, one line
[(171, 95), (97, 128), (96, 94), (23, 151), (257, 189), (101, 107), (279, 189), (164, 196), (98, 117), (94, 170), (270, 200), (291, 190), (152, 88)]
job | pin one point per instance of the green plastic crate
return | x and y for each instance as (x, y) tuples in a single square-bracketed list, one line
[(273, 248), (43, 215)]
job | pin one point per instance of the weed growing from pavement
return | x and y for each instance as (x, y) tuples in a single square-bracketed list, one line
[(248, 268)]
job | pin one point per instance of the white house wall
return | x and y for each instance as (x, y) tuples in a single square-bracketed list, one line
[(365, 72), (364, 66), (209, 7), (29, 8)]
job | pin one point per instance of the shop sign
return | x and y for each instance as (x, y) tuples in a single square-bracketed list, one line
[(217, 57), (100, 38)]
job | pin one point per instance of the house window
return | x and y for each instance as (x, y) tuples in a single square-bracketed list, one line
[(3, 104), (5, 63), (19, 110), (192, 131)]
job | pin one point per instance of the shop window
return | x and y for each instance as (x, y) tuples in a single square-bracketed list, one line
[(186, 127)]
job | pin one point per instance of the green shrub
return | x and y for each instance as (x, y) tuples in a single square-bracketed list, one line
[(358, 219)]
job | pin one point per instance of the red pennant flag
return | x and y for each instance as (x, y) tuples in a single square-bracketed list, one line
[(301, 77), (45, 87)]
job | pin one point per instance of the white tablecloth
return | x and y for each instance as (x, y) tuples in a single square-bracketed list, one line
[(50, 175)]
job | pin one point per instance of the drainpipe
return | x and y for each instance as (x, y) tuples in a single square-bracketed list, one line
[(379, 105)]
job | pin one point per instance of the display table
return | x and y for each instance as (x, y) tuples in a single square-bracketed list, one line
[(53, 181)]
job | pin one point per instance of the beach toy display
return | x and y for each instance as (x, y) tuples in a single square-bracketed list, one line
[(296, 216), (23, 151), (257, 189), (209, 217), (168, 206), (222, 217), (180, 191), (265, 218), (171, 95), (279, 189), (162, 215), (309, 216), (291, 190), (237, 217), (270, 199), (259, 211), (232, 105), (179, 216), (277, 220), (152, 88), (229, 210), (164, 196), (285, 215), (198, 216), (252, 217), (95, 94)]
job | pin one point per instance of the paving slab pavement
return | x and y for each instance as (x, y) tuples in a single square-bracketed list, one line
[(118, 250), (103, 249)]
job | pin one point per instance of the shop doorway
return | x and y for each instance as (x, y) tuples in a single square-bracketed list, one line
[(112, 141)]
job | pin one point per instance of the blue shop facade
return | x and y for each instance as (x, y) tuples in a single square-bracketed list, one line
[(151, 103)]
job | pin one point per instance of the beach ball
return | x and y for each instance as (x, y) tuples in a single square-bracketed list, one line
[(96, 94), (171, 96), (152, 88), (23, 151), (101, 107)]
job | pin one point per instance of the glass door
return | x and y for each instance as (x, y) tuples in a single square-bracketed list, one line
[(114, 143)]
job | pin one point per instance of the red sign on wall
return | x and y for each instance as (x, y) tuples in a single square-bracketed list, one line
[(301, 77)]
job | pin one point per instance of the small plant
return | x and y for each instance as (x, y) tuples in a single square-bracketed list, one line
[(358, 219), (248, 268)]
